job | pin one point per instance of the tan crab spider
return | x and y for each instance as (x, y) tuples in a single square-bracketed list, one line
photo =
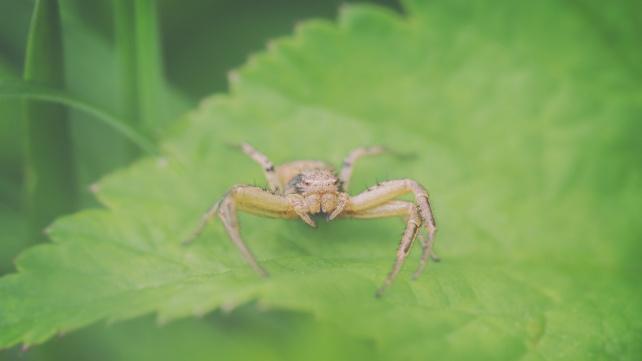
[(303, 188)]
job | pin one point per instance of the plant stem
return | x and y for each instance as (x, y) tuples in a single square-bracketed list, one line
[(139, 60), (125, 49), (50, 169), (149, 64)]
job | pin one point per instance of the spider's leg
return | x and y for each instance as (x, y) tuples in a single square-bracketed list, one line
[(266, 164), (204, 219), (389, 190), (434, 257), (228, 215), (424, 243), (253, 200), (410, 214), (426, 246), (348, 162), (422, 240)]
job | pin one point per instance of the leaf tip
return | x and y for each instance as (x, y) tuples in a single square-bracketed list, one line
[(233, 76), (162, 162), (94, 188), (198, 312), (161, 321), (271, 45), (228, 306), (343, 7), (261, 305)]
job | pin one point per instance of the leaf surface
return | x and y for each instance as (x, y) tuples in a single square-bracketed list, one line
[(525, 138)]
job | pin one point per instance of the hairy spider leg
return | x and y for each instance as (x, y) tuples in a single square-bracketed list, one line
[(409, 212), (424, 243), (348, 162), (431, 229), (279, 176), (201, 224), (266, 164), (252, 200), (379, 200)]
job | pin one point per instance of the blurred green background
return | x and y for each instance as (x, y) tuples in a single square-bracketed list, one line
[(201, 42)]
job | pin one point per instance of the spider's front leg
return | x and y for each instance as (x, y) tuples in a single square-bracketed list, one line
[(408, 211), (348, 162), (379, 202), (249, 199), (266, 164)]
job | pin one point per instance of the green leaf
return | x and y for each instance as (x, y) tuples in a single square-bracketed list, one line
[(12, 88), (50, 166), (525, 127)]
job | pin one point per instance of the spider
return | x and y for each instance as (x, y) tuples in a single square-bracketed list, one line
[(300, 189)]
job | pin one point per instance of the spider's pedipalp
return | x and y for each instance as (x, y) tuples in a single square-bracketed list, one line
[(300, 207)]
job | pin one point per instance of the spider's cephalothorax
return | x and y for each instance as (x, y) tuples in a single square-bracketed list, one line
[(314, 181), (318, 190), (304, 188)]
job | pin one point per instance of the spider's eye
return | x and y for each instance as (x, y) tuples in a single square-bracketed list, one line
[(306, 183), (336, 182)]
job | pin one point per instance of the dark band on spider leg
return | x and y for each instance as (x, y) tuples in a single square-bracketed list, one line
[(346, 166), (269, 168)]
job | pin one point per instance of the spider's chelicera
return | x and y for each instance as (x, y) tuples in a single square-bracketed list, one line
[(303, 188)]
